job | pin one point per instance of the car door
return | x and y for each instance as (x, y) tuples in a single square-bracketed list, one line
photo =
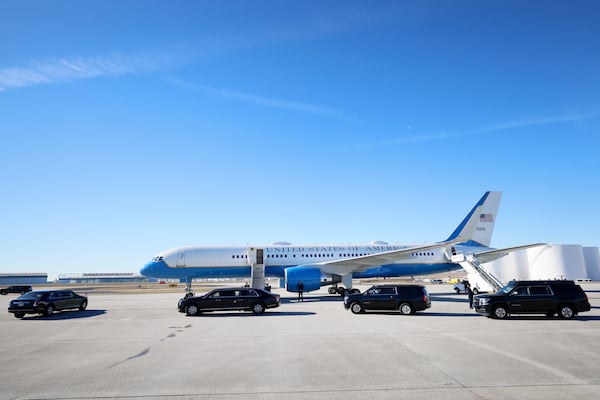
[(517, 299), (56, 298), (540, 300), (223, 299), (242, 298), (383, 299)]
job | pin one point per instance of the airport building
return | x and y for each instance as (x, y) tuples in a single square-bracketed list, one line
[(38, 278), (114, 277)]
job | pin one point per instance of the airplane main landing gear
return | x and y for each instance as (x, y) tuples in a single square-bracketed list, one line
[(342, 291)]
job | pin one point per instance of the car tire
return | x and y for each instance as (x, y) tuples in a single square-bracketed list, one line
[(19, 314), (258, 308), (83, 305), (406, 309), (356, 308), (49, 310), (566, 311), (192, 309), (475, 291), (500, 312)]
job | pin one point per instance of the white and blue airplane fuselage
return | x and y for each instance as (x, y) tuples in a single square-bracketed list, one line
[(316, 265)]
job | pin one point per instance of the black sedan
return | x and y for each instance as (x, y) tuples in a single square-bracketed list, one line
[(228, 299), (46, 302)]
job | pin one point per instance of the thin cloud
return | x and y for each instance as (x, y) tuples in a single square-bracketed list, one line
[(60, 70), (499, 127), (567, 118), (261, 100)]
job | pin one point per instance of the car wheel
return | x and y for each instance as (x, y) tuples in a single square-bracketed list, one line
[(19, 315), (500, 312), (49, 310), (192, 309), (258, 308), (475, 291), (405, 309), (356, 308), (566, 311), (83, 305)]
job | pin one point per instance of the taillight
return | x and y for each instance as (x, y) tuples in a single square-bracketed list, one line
[(425, 298)]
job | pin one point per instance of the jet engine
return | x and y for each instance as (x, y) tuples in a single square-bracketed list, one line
[(309, 276)]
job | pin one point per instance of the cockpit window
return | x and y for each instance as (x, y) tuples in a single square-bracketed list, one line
[(157, 259)]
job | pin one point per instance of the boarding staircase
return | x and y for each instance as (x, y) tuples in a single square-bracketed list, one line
[(257, 276), (257, 268), (472, 265)]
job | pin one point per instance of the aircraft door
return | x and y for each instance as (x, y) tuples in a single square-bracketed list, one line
[(180, 259), (255, 256)]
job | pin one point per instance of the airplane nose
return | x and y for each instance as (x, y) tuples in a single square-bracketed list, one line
[(147, 269)]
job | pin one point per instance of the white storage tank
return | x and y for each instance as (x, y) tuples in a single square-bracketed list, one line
[(512, 266), (557, 262), (591, 255)]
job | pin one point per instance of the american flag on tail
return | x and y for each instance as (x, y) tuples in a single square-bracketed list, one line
[(486, 218)]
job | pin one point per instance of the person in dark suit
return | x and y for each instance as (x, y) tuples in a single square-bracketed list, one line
[(469, 294), (300, 291)]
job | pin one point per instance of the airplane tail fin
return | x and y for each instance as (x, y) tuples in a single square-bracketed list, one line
[(483, 217)]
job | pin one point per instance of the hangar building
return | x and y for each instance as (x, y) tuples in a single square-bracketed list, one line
[(38, 278)]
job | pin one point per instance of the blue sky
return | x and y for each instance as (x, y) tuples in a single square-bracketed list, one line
[(129, 127)]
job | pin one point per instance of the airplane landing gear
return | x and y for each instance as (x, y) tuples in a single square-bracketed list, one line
[(188, 289)]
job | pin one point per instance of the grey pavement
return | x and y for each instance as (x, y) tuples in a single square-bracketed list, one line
[(132, 346)]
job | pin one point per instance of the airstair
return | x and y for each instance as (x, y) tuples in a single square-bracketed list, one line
[(257, 268), (257, 276), (472, 265)]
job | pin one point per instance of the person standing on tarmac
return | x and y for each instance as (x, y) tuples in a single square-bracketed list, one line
[(469, 293), (300, 291)]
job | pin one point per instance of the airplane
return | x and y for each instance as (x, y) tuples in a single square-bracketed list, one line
[(317, 265)]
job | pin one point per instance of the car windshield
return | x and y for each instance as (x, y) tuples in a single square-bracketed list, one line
[(508, 288), (31, 295)]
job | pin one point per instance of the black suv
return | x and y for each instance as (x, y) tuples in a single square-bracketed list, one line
[(564, 298), (46, 302), (226, 299), (405, 298), (16, 289)]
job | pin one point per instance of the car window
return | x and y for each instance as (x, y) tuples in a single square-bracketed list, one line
[(520, 291), (226, 293), (31, 295), (387, 291), (373, 290), (538, 290)]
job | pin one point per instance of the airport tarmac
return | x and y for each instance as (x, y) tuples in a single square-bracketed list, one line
[(137, 346)]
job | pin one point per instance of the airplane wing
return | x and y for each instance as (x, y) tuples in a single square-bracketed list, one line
[(492, 255), (348, 265)]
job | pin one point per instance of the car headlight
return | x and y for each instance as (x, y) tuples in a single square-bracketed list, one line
[(484, 301)]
